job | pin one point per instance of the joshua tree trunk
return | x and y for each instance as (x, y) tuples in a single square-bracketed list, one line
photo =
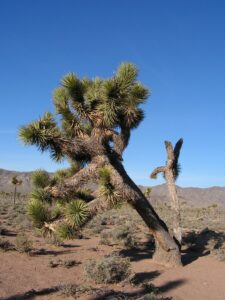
[(175, 205), (14, 196), (171, 171), (166, 251)]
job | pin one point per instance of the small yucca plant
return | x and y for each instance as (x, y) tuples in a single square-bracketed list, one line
[(38, 213), (76, 212)]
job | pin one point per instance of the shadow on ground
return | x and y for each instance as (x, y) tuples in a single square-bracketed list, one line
[(32, 294), (140, 293), (43, 251), (136, 254), (197, 244)]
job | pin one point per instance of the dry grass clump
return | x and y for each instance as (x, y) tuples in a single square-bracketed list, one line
[(68, 263), (109, 269), (22, 244), (219, 254), (123, 235), (5, 245), (76, 291)]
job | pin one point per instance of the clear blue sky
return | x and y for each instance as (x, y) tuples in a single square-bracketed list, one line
[(179, 47)]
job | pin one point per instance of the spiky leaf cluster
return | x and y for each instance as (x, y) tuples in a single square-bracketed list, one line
[(40, 178), (76, 212), (106, 187), (41, 195), (38, 212), (85, 105), (65, 231)]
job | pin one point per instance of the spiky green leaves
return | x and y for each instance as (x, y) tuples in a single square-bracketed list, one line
[(74, 87), (38, 212), (65, 231), (76, 212), (39, 131), (41, 195), (43, 133), (176, 165), (40, 178), (106, 187), (87, 104), (126, 75)]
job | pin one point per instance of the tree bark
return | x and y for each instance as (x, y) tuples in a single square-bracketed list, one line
[(166, 251), (175, 206), (168, 170), (14, 197)]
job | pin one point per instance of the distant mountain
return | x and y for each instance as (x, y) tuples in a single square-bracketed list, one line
[(192, 196), (6, 178)]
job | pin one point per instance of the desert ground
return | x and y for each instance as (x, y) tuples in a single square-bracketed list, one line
[(34, 267)]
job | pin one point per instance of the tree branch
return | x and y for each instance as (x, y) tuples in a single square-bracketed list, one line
[(82, 177), (158, 170)]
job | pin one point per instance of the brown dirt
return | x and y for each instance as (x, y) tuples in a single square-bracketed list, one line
[(20, 273), (25, 277)]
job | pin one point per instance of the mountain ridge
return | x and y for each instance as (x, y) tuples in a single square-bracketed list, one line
[(191, 195)]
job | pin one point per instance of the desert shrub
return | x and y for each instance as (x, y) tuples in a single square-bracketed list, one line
[(22, 244), (122, 235), (63, 263), (219, 254), (73, 290), (105, 238), (69, 263), (97, 224), (5, 245), (109, 269), (68, 290)]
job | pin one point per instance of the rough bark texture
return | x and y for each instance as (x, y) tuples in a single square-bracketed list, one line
[(167, 247), (169, 172)]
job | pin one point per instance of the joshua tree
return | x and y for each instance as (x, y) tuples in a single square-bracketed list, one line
[(97, 117), (171, 171), (16, 182)]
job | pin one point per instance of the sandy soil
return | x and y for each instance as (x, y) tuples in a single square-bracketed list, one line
[(202, 278)]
